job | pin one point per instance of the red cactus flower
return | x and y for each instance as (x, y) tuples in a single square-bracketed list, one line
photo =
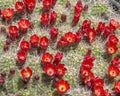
[(113, 71), (75, 19), (47, 4), (45, 19), (47, 58), (26, 73), (111, 48), (49, 70), (88, 79), (78, 8), (34, 40), (2, 81), (63, 18), (78, 36), (25, 46), (107, 32), (91, 34), (63, 42), (113, 39), (87, 63), (85, 26), (115, 61), (85, 72), (117, 86), (68, 4), (100, 28), (58, 58), (107, 93), (88, 55), (24, 24), (85, 8), (19, 6), (54, 33), (70, 37), (21, 56), (13, 31), (44, 42), (8, 13), (98, 91), (114, 24), (53, 18), (60, 70), (30, 4), (62, 86), (53, 2), (98, 81)]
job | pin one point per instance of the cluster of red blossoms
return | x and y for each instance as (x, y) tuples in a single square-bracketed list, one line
[(114, 71), (51, 65), (111, 44), (105, 31), (54, 69), (88, 78), (28, 5)]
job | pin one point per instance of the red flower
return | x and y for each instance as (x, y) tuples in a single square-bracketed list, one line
[(75, 19), (62, 86), (53, 33), (8, 13), (85, 72), (107, 93), (114, 25), (88, 57), (88, 53), (45, 19), (26, 73), (53, 2), (111, 48), (113, 39), (85, 8), (87, 63), (58, 58), (47, 58), (21, 56), (53, 18), (25, 46), (78, 8), (34, 40), (19, 6), (98, 91), (98, 81), (113, 71), (115, 61), (100, 28), (63, 18), (107, 32), (78, 36), (30, 4), (47, 4), (85, 26), (70, 37), (91, 35), (63, 42), (88, 79), (44, 42), (117, 87), (13, 31), (24, 24), (49, 70), (60, 70)]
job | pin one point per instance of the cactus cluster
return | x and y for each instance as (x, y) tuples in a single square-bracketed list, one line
[(59, 48)]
